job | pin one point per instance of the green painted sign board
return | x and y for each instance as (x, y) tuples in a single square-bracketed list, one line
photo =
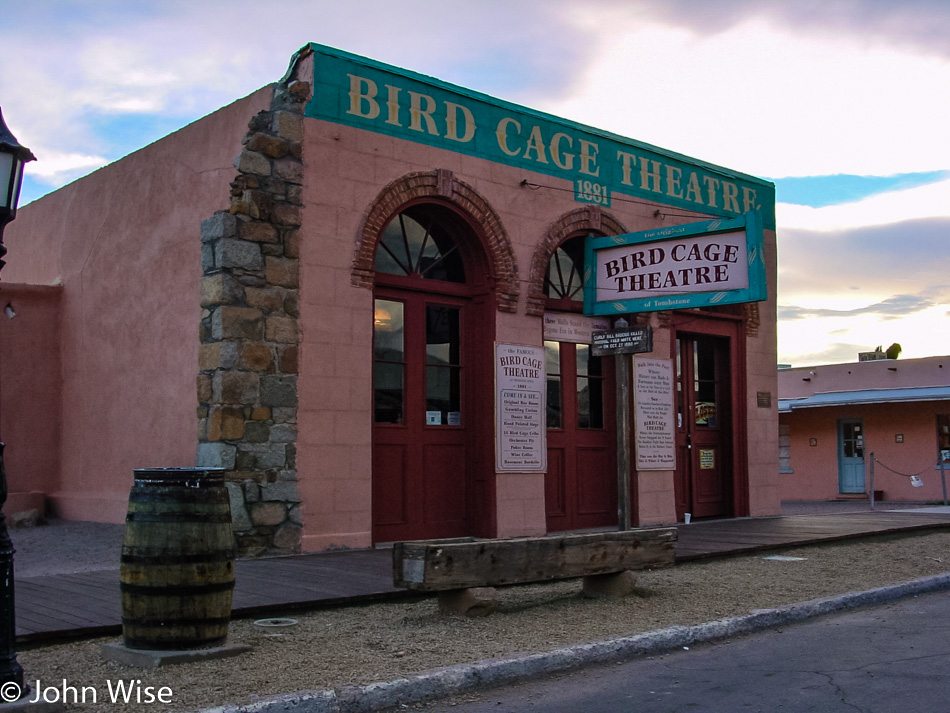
[(600, 167), (712, 262)]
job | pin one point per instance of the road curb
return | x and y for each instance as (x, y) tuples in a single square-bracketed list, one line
[(451, 680)]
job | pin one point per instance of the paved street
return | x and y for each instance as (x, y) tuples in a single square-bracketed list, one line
[(890, 659)]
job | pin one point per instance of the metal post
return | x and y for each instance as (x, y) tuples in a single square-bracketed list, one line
[(622, 362), (943, 474), (872, 480), (10, 669)]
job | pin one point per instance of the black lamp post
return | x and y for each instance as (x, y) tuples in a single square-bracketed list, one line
[(12, 158)]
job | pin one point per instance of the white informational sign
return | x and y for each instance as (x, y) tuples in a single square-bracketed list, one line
[(654, 413), (573, 328), (520, 422)]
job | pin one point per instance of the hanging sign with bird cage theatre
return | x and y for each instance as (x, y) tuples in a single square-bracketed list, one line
[(713, 262)]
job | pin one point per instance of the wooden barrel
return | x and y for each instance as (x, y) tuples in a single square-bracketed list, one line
[(177, 567)]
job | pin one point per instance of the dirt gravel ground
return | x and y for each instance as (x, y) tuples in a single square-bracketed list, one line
[(381, 642)]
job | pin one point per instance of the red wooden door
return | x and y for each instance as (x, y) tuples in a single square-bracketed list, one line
[(704, 473), (430, 351), (581, 482), (421, 481)]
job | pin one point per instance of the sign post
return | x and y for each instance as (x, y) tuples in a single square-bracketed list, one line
[(621, 342)]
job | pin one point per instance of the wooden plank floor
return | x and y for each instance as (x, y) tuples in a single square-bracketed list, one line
[(63, 606)]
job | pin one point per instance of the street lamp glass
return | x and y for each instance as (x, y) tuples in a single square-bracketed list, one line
[(7, 178)]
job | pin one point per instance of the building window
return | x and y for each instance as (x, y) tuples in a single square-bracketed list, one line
[(415, 244), (785, 449), (564, 282), (943, 436)]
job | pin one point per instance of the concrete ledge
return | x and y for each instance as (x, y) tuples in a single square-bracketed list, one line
[(451, 680), (146, 658), (25, 706)]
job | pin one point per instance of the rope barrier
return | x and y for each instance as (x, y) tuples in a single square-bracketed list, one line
[(907, 475)]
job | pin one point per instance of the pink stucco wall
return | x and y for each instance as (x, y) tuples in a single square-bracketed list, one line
[(815, 467), (334, 449), (30, 384), (124, 244), (814, 435)]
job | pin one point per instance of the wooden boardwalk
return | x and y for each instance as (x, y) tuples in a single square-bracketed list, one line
[(63, 606)]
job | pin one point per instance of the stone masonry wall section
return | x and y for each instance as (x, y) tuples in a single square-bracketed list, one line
[(247, 378)]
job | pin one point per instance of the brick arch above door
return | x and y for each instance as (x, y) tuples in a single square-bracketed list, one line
[(588, 218), (440, 185)]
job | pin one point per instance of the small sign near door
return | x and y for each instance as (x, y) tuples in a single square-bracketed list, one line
[(633, 340), (707, 459), (573, 328)]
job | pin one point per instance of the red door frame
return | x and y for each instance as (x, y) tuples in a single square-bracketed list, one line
[(731, 328)]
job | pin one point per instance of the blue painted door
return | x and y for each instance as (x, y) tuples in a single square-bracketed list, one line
[(851, 456)]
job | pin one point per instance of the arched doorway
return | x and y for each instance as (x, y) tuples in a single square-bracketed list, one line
[(431, 351), (581, 481)]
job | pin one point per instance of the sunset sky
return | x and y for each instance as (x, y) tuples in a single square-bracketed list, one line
[(844, 104)]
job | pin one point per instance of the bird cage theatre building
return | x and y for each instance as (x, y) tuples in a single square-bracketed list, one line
[(381, 305)]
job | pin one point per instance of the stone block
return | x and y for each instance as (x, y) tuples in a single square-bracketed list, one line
[(252, 491), (292, 243), (291, 303), (285, 414), (282, 330), (207, 257), (273, 456), (259, 232), (284, 272), (286, 214), (290, 170), (617, 584), (220, 225), (475, 601), (220, 289), (256, 357), (251, 162), (288, 360), (257, 432), (243, 254), (268, 298), (203, 385), (235, 387), (279, 390), (217, 355), (260, 413), (270, 146), (283, 491), (240, 519), (283, 433), (216, 455), (226, 423), (295, 515), (287, 125), (268, 514), (288, 537), (229, 322)]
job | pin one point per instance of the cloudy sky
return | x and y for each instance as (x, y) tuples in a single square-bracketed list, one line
[(845, 104)]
